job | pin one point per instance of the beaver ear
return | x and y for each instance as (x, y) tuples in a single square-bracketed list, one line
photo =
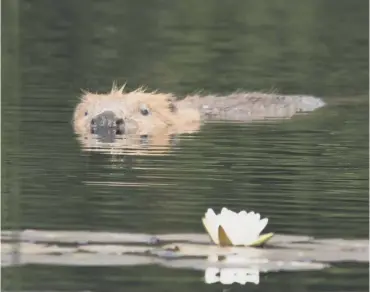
[(172, 106), (170, 99)]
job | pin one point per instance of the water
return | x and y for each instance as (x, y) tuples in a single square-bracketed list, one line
[(308, 175)]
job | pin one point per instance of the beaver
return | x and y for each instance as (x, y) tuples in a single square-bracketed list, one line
[(138, 112), (143, 112)]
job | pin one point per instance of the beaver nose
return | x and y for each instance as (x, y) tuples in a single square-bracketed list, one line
[(107, 124)]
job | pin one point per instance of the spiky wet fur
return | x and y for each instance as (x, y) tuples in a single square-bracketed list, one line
[(190, 112), (126, 105)]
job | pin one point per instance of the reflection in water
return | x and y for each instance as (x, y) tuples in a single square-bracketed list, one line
[(147, 145), (229, 276)]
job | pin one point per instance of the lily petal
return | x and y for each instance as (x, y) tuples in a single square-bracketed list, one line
[(262, 224), (210, 222)]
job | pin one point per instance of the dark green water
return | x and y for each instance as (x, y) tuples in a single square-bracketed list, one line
[(308, 175)]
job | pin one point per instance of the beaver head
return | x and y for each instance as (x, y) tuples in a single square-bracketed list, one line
[(137, 112)]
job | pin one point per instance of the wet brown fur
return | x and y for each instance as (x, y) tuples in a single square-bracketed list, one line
[(165, 116)]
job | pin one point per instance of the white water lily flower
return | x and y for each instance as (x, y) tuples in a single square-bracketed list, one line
[(231, 228)]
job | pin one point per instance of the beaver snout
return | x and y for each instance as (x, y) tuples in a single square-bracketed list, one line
[(107, 125)]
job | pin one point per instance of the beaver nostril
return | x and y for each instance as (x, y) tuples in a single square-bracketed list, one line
[(93, 126), (93, 123), (119, 122), (120, 129)]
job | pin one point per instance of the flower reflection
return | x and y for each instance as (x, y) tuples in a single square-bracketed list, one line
[(229, 276), (239, 271)]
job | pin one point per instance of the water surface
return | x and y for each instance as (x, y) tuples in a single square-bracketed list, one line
[(308, 175)]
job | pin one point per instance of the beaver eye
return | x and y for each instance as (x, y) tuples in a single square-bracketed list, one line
[(144, 110)]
